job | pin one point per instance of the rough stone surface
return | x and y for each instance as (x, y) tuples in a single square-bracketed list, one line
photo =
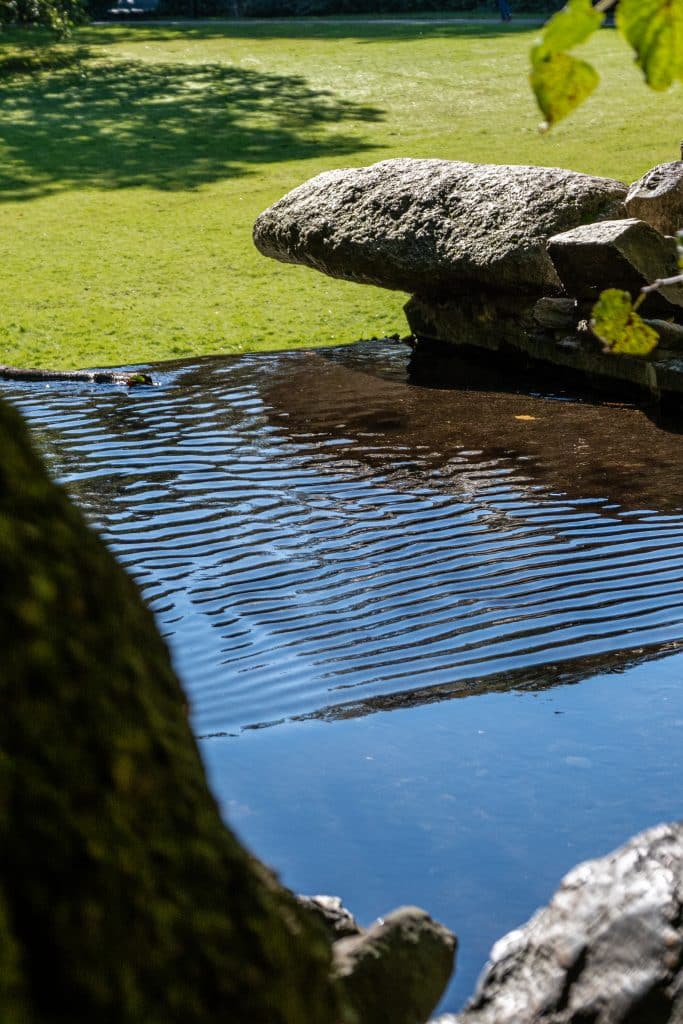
[(512, 331), (657, 197), (333, 915), (608, 948), (616, 254), (397, 970), (435, 226), (123, 897), (555, 314)]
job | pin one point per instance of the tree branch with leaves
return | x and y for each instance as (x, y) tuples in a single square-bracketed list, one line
[(56, 15), (561, 82), (652, 28)]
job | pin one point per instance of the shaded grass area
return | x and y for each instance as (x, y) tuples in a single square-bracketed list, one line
[(164, 125), (134, 161)]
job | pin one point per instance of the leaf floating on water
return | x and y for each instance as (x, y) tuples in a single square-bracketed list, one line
[(618, 326)]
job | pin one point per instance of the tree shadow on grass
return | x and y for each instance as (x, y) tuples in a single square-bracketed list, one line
[(170, 127), (403, 28)]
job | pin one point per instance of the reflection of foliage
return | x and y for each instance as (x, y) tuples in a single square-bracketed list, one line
[(167, 126), (653, 28), (57, 15)]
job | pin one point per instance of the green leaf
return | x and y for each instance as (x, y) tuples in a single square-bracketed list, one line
[(654, 28), (569, 27), (560, 83), (619, 327)]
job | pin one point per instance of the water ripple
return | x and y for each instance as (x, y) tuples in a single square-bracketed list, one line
[(316, 538)]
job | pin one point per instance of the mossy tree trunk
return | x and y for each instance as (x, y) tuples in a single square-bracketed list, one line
[(123, 897)]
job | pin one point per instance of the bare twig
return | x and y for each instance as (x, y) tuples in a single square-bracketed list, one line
[(91, 376), (661, 282)]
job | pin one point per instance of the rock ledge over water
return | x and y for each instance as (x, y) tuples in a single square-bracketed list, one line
[(433, 226), (477, 245)]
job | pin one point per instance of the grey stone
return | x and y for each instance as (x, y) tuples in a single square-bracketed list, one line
[(555, 313), (607, 949), (511, 331), (398, 969), (330, 912), (657, 197), (623, 254), (435, 226), (670, 335)]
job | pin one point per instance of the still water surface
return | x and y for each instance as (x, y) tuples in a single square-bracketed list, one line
[(432, 636)]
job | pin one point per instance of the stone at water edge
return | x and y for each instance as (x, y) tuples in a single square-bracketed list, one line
[(623, 254), (337, 920), (435, 226), (657, 197), (607, 949), (397, 970)]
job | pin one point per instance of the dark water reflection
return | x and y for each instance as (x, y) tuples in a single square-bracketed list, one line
[(322, 540)]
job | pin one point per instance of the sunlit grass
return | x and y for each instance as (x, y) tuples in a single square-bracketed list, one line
[(134, 161)]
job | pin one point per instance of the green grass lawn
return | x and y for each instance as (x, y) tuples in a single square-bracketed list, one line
[(134, 160)]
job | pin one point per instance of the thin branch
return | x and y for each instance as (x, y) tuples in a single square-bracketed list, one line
[(661, 282), (130, 379)]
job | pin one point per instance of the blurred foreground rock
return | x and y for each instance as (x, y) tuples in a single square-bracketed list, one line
[(398, 969), (608, 948), (124, 899)]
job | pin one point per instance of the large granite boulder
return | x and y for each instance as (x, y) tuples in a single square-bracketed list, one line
[(436, 227), (607, 949), (123, 897), (657, 197), (617, 254)]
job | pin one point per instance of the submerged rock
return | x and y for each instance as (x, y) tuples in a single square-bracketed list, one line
[(624, 254), (397, 970), (435, 226), (657, 197), (607, 949)]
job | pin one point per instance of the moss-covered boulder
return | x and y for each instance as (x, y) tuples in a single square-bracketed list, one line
[(123, 898)]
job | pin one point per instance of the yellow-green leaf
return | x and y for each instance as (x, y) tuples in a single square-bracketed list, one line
[(619, 327), (654, 28), (560, 83), (569, 27)]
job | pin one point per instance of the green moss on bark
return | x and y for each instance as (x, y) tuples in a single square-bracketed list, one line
[(125, 898)]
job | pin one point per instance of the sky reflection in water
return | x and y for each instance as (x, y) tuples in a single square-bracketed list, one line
[(323, 541)]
